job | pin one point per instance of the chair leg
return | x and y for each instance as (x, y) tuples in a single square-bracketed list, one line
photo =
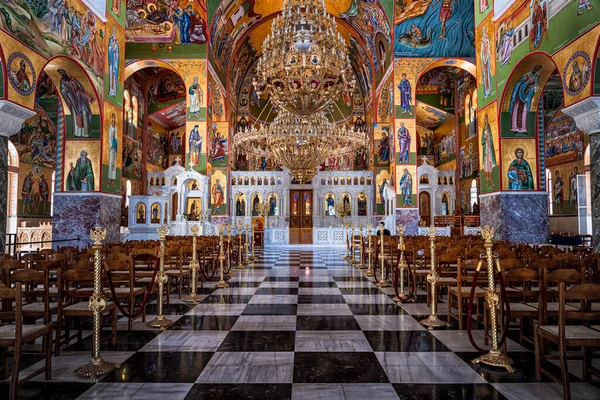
[(587, 362), (48, 344), (14, 378), (58, 333), (538, 354), (564, 371), (459, 304), (114, 326)]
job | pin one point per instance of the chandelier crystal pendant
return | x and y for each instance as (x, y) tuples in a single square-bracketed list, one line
[(305, 64), (300, 143)]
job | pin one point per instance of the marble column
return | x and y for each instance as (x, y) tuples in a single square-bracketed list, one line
[(586, 114), (12, 116), (76, 213), (516, 216)]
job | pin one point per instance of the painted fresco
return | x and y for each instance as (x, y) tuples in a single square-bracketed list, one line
[(34, 191), (383, 144), (519, 164), (426, 141), (164, 91), (406, 142), (115, 63), (434, 28), (564, 187), (132, 158), (382, 179), (522, 96), (486, 62), (58, 27), (436, 88), (133, 107), (170, 117), (218, 192), (82, 165), (218, 146), (406, 72), (195, 153), (176, 145), (445, 143), (157, 153), (430, 117), (117, 9), (489, 142), (469, 161), (217, 101), (406, 186), (112, 152), (564, 141), (385, 105), (179, 26), (482, 9)]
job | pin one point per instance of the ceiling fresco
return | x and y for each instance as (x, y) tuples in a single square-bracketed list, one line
[(430, 117), (171, 117)]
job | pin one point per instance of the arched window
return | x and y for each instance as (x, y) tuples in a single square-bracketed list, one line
[(550, 197), (127, 192), (13, 183), (473, 194), (586, 157)]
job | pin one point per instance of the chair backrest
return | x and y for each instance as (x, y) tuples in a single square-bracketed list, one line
[(8, 297), (118, 257), (585, 294), (76, 283)]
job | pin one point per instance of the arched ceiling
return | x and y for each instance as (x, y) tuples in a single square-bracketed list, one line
[(238, 28)]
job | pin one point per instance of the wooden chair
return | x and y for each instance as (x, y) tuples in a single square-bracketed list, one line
[(459, 295), (17, 334), (123, 279), (35, 289), (521, 293), (569, 335), (75, 289)]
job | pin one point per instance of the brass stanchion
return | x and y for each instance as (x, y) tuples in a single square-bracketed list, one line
[(352, 249), (160, 321), (240, 265), (229, 272), (221, 283), (382, 257), (247, 247), (97, 366), (250, 242), (194, 265), (433, 321), (494, 357), (402, 266), (369, 251), (346, 231), (361, 264)]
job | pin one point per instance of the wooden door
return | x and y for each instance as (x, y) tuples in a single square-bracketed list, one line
[(301, 214), (425, 207)]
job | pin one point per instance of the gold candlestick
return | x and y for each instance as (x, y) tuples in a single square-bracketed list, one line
[(494, 357), (240, 245), (194, 265), (402, 266), (97, 366), (160, 321), (369, 251), (433, 321), (382, 257), (361, 264), (221, 283), (346, 229)]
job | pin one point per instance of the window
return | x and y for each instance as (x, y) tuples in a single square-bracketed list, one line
[(473, 196), (52, 193), (549, 186), (127, 192)]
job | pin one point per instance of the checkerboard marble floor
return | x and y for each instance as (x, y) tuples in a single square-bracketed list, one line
[(299, 324)]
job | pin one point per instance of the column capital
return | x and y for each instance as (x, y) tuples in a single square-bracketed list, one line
[(586, 114), (12, 116)]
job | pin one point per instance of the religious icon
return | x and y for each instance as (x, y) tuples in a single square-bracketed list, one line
[(81, 175), (195, 146), (505, 42), (489, 153), (539, 23), (405, 95), (218, 145), (196, 97), (273, 204), (362, 204), (113, 60), (240, 205), (329, 205), (445, 14), (582, 5), (217, 194), (404, 143), (255, 204), (485, 53), (519, 172), (520, 101), (78, 102), (112, 154), (116, 7), (155, 214), (406, 187), (140, 214), (384, 147)]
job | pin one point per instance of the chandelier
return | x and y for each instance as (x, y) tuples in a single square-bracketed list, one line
[(305, 64), (300, 143)]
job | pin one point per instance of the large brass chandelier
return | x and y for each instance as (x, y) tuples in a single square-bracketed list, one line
[(300, 143), (305, 64)]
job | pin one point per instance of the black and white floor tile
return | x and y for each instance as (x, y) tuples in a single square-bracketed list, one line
[(299, 324)]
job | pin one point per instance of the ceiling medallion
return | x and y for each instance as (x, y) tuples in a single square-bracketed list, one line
[(305, 63)]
